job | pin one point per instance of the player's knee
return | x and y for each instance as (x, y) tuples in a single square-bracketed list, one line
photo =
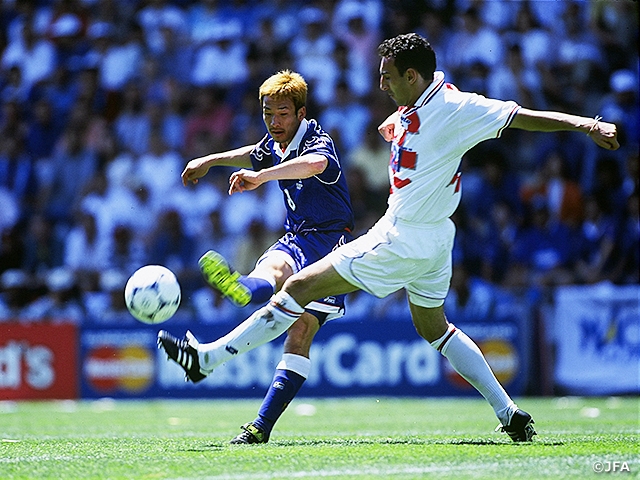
[(295, 286)]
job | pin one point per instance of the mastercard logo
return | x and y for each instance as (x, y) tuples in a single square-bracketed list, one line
[(128, 368), (501, 357)]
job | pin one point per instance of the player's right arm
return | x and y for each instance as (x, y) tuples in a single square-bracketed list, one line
[(602, 133), (198, 167)]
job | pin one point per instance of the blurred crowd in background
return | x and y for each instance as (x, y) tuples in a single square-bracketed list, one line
[(103, 102)]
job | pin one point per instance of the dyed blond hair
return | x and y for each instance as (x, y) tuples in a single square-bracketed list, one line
[(285, 84)]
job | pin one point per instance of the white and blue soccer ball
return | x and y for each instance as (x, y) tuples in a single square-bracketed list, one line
[(152, 294)]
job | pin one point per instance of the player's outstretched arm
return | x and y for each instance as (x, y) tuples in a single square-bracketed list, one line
[(198, 167), (604, 134), (304, 166)]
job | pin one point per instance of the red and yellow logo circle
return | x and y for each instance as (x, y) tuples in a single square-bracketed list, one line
[(129, 368)]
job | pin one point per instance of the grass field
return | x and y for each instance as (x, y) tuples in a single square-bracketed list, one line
[(364, 438)]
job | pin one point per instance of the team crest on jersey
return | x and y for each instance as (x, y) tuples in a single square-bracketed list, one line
[(411, 122)]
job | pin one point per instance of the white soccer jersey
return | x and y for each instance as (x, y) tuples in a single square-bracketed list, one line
[(430, 139)]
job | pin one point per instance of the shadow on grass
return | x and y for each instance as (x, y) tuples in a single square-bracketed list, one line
[(379, 441)]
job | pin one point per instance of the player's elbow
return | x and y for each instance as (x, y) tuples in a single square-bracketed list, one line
[(318, 164)]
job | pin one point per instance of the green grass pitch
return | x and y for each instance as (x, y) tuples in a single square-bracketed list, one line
[(361, 438)]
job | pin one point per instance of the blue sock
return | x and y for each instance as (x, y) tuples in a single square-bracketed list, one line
[(261, 289), (283, 389)]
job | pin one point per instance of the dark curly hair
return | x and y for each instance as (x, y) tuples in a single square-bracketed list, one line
[(410, 50)]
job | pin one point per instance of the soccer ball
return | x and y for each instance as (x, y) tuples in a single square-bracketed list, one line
[(152, 294)]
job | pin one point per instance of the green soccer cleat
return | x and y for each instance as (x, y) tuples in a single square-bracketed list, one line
[(250, 435), (217, 273), (520, 428)]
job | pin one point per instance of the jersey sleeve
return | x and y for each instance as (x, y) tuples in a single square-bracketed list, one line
[(261, 156), (484, 118), (322, 144)]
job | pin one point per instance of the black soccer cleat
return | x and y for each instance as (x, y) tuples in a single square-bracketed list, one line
[(181, 351), (520, 428), (251, 434)]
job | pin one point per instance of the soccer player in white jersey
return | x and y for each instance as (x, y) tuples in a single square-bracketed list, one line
[(410, 246), (303, 159)]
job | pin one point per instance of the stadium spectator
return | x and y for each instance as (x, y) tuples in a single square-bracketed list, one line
[(473, 43), (598, 235), (627, 265), (621, 105), (615, 25), (60, 90), (579, 60), (68, 173), (130, 125), (126, 249), (84, 249), (498, 241), (355, 24), (208, 123), (434, 26), (68, 34), (17, 174), (471, 299), (534, 41), (514, 80), (371, 156), (43, 131), (43, 247), (13, 122), (117, 53), (608, 187), (171, 246), (159, 167), (60, 302), (202, 18), (176, 57), (490, 179), (11, 241), (223, 46), (34, 55), (312, 51), (105, 304), (212, 234), (561, 195), (543, 253), (13, 87), (156, 15), (15, 294), (345, 110)]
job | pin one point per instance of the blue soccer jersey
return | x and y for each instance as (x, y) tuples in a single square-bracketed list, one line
[(318, 203)]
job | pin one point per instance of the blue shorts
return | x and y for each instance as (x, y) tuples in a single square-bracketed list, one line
[(304, 249)]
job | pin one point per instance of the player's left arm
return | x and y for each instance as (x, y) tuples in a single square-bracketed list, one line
[(304, 166), (604, 134), (387, 128)]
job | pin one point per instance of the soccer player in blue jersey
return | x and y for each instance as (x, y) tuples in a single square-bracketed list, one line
[(303, 159)]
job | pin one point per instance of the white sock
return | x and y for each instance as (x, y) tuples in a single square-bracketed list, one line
[(264, 325), (295, 363), (467, 359)]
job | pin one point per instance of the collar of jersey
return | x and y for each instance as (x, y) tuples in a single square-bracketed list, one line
[(428, 94), (295, 141)]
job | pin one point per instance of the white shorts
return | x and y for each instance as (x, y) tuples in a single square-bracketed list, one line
[(394, 255)]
